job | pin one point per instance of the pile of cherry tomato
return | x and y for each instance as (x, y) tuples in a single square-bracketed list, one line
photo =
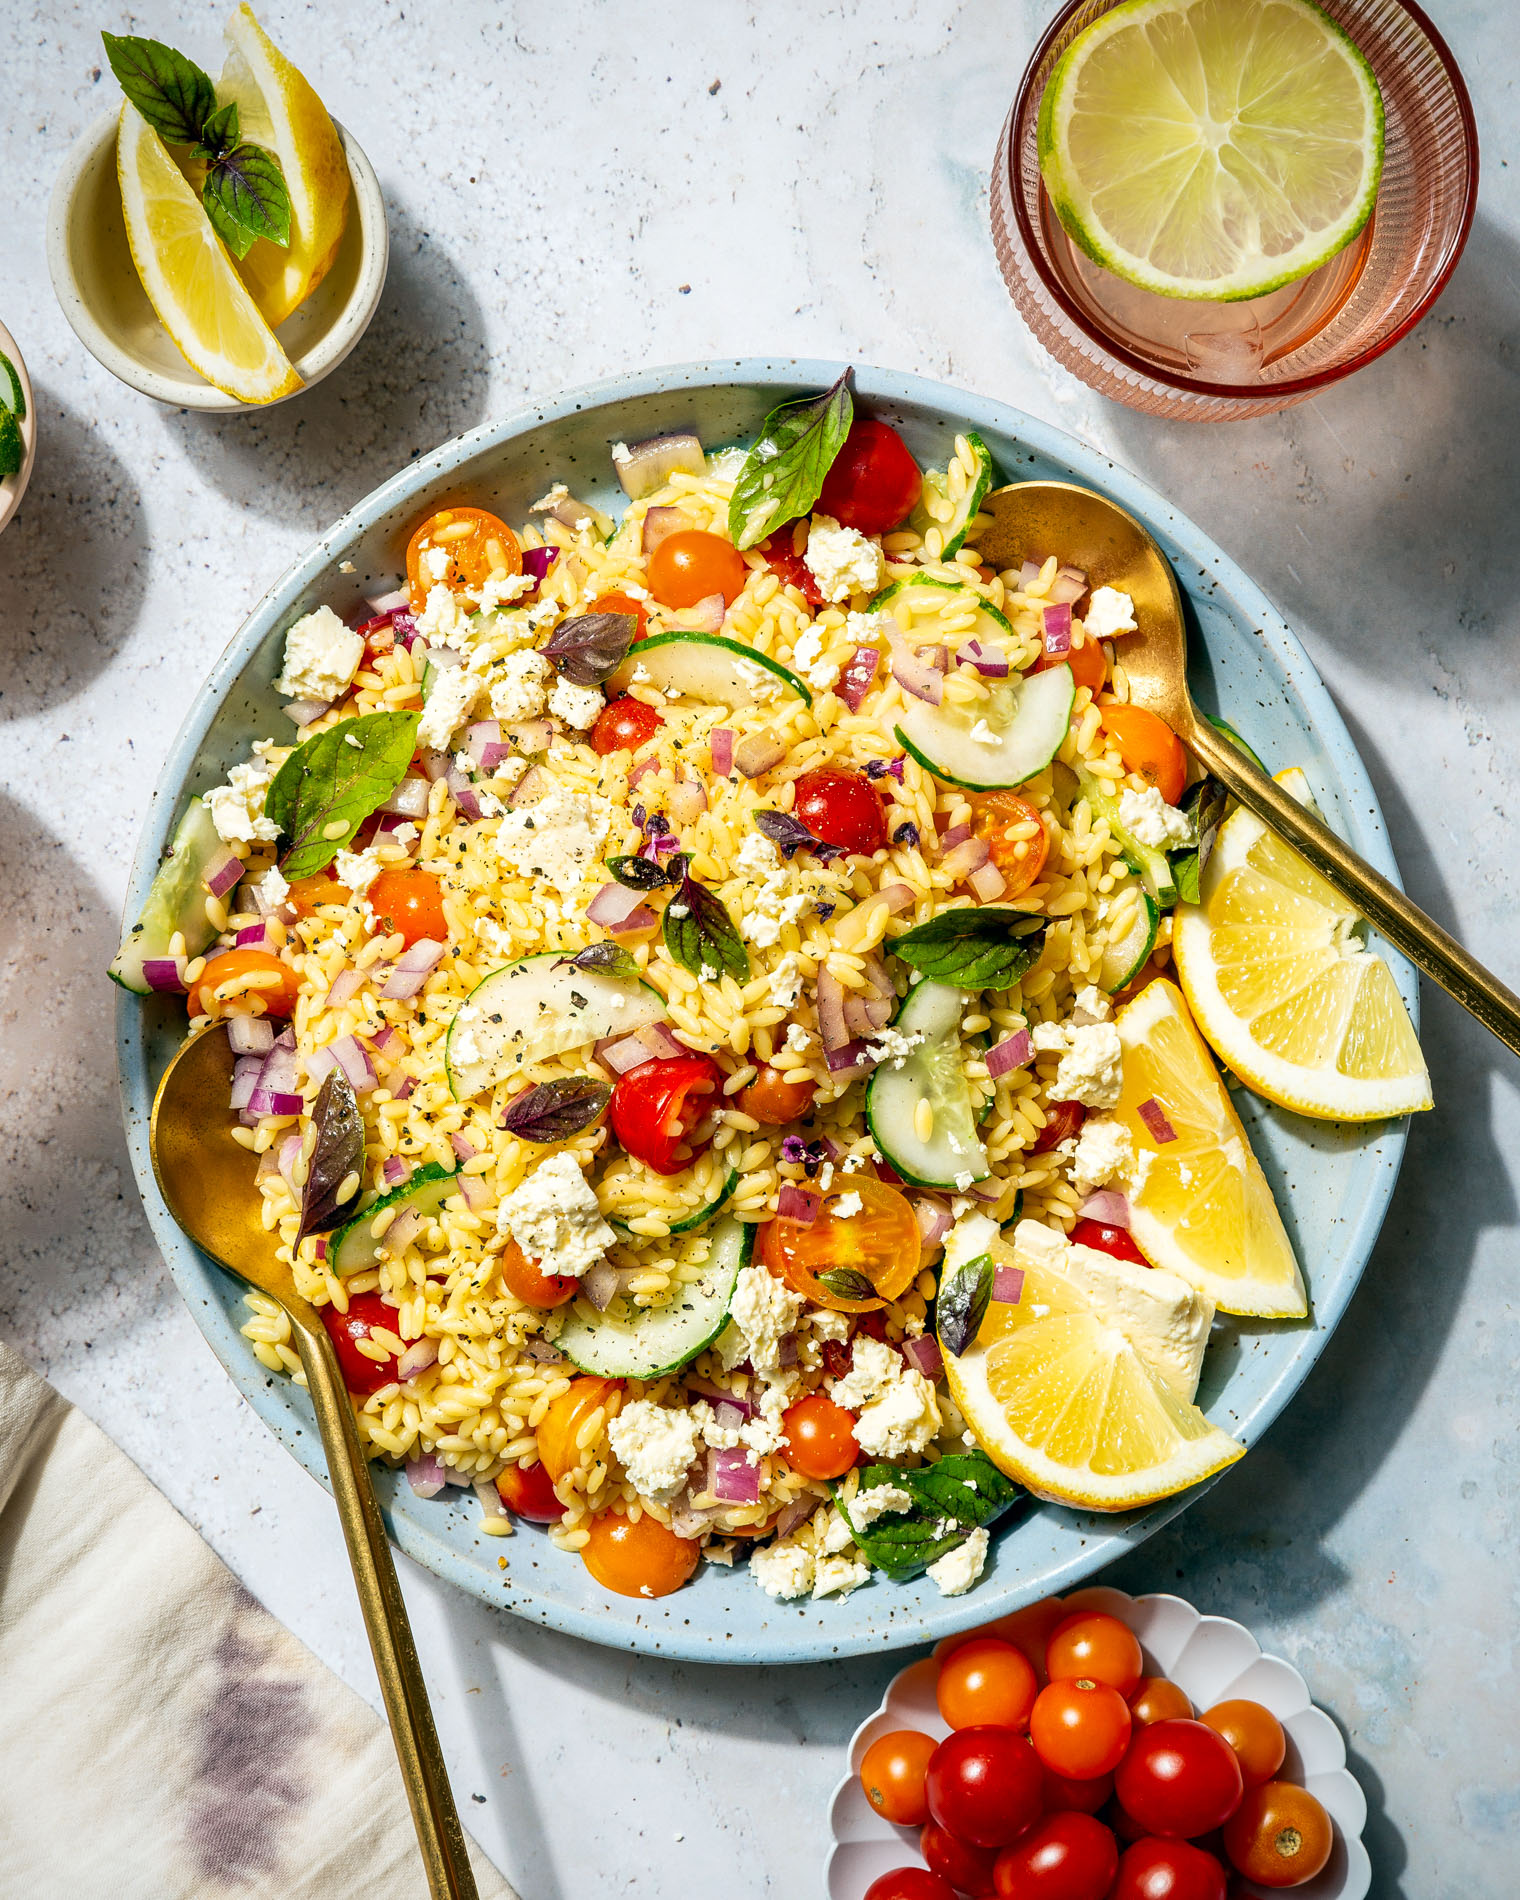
[(1070, 1774)]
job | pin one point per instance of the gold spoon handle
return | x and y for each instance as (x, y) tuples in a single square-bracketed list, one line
[(439, 1834), (1384, 906)]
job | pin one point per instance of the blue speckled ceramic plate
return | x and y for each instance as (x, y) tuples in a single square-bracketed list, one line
[(1333, 1183)]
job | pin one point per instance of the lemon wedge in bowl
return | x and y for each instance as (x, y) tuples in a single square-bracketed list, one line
[(278, 108), (1082, 1388), (1283, 987), (189, 277)]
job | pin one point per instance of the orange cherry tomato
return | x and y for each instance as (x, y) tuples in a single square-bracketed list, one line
[(528, 1491), (1279, 1836), (477, 545), (524, 1281), (1031, 1628), (622, 604), (1157, 1700), (409, 900), (1098, 1648), (1254, 1733), (774, 1098), (566, 1415), (987, 1681), (1080, 1729), (250, 970), (819, 1437), (829, 1258), (692, 565), (1088, 662), (643, 1559), (1002, 820), (1147, 745), (892, 1773), (306, 893)]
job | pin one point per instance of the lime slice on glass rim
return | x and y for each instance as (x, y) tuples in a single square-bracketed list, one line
[(1212, 149)]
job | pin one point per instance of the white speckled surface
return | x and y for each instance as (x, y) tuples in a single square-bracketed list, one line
[(557, 177)]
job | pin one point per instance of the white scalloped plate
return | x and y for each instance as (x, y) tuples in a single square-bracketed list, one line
[(1210, 1658)]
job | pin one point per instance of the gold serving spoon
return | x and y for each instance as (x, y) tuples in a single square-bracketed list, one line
[(1031, 520), (207, 1180)]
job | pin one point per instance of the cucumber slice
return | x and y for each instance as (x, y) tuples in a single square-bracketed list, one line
[(1151, 866), (12, 395), (1028, 716), (703, 1214), (1224, 726), (176, 901), (991, 627), (1127, 954), (937, 489), (354, 1249), (935, 1073), (534, 1008), (706, 667), (663, 1339)]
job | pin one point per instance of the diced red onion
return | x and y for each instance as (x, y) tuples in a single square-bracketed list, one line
[(1109, 1206), (464, 1147), (795, 1203), (164, 973), (855, 681), (898, 898), (533, 786), (797, 1512), (388, 603), (613, 905), (1068, 587), (643, 766), (274, 1102), (659, 525), (732, 1478), (688, 801), (402, 1231), (687, 1522), (529, 735), (478, 736), (574, 514), (253, 934), (756, 755), (659, 1042), (425, 1475), (989, 1191), (435, 764), (992, 666), (245, 1078), (625, 1054), (285, 1161), (648, 465), (388, 1043), (727, 1416), (394, 1170), (413, 968), (832, 1027), (302, 712), (968, 856), (787, 1350), (421, 1354), (854, 1055), (1029, 573), (463, 792), (443, 658), (404, 626), (353, 1061), (600, 1284), (706, 616), (721, 740), (492, 1510), (403, 1088), (543, 1352), (1058, 629), (250, 1036), (345, 986), (924, 1356), (1154, 1117), (474, 1191), (914, 675), (1010, 1054), (538, 561), (1007, 1283), (636, 921), (222, 872), (988, 883), (933, 1219), (957, 834)]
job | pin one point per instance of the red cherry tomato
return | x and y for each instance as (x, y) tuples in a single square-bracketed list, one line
[(1095, 1647), (1179, 1778), (892, 1772), (1080, 1729), (874, 482), (623, 725), (1062, 1121), (528, 1491), (841, 808), (361, 1374), (967, 1868), (789, 567), (1168, 1870), (1067, 1857), (818, 1437), (692, 565), (985, 1785), (989, 1682), (622, 604), (656, 1106), (1105, 1239), (909, 1883), (1084, 1796), (409, 900)]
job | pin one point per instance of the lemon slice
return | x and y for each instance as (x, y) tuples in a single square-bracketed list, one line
[(1214, 149), (278, 108), (1063, 1391), (1283, 987), (1199, 1203), (200, 299)]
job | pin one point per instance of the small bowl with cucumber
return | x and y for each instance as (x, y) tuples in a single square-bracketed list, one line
[(18, 427)]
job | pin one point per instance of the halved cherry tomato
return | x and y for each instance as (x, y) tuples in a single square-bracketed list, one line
[(623, 725), (477, 544), (692, 565), (967, 1868), (828, 1258), (774, 1098), (524, 1281), (1147, 745), (252, 972), (873, 482), (1279, 1836), (361, 1374), (1088, 662), (410, 900), (378, 635), (1159, 1700), (1003, 820), (892, 1774), (1254, 1733), (1179, 1778), (819, 1437), (842, 808), (1097, 1647), (987, 1681), (322, 887), (789, 567), (643, 1559), (657, 1106), (565, 1418), (528, 1491), (1080, 1728), (1105, 1239), (622, 604), (1067, 1856), (1062, 1121)]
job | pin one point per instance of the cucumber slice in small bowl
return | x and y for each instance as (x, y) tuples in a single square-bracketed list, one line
[(937, 490), (710, 669), (1125, 956), (354, 1249), (176, 902), (934, 1072), (658, 1340), (537, 1007), (701, 1216)]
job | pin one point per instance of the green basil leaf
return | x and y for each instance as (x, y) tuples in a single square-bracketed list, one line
[(700, 934), (328, 787), (962, 1301), (220, 132), (645, 874), (783, 473), (554, 1111), (1206, 804), (950, 1500), (847, 1283), (984, 947), (238, 240), (337, 1158), (607, 959), (170, 91), (245, 189)]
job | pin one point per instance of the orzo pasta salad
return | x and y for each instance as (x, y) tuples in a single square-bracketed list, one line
[(705, 1042)]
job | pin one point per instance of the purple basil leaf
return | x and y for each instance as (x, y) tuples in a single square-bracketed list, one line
[(554, 1111), (588, 649), (338, 1155)]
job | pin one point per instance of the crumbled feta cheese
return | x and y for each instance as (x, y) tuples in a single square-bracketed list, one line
[(770, 907), (842, 560), (757, 856), (984, 735), (641, 674), (879, 1500), (828, 1324), (321, 657), (761, 1314), (1092, 1070), (897, 1410), (405, 834), (558, 840), (1148, 817), (1110, 611), (554, 1218), (357, 870), (893, 1045), (838, 1576), (347, 567), (786, 982), (852, 1164), (656, 1446), (1092, 1002), (517, 690), (845, 1206), (964, 1179), (783, 1570), (502, 590), (578, 706), (707, 973), (1103, 1150), (441, 618), (959, 1569), (837, 1535), (237, 808), (273, 888), (436, 561), (874, 1368), (1048, 1039), (866, 629), (798, 1039), (451, 697), (808, 660)]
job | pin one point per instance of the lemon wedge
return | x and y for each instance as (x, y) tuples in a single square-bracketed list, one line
[(1285, 990), (1200, 1206), (278, 108), (1081, 1389), (190, 280)]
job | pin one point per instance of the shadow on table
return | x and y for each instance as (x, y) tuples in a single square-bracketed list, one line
[(420, 374), (73, 565)]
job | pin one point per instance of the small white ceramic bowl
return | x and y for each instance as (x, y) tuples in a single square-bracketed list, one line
[(1208, 1657), (102, 296), (14, 487)]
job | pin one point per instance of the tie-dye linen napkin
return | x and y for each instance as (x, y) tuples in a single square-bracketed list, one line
[(162, 1737)]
